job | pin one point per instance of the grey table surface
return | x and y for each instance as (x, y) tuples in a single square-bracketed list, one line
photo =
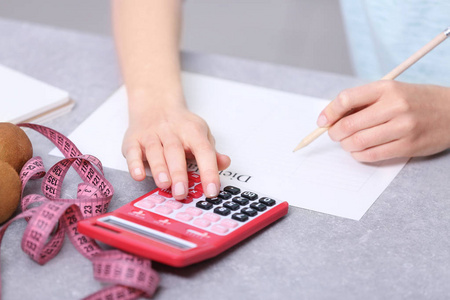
[(399, 250)]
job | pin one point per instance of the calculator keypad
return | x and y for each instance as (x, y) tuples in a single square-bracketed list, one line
[(221, 215)]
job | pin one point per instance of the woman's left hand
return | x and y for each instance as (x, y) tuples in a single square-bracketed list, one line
[(387, 119)]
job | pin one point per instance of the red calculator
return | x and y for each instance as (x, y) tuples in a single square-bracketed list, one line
[(180, 233)]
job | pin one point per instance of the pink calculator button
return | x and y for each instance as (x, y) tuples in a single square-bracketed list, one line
[(184, 216), (194, 211), (162, 209), (174, 204), (202, 222), (219, 228), (229, 223), (144, 204), (212, 217), (157, 199)]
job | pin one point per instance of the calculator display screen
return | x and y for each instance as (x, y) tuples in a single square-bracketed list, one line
[(148, 232)]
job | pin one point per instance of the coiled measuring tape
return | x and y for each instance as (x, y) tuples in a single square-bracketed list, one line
[(130, 276)]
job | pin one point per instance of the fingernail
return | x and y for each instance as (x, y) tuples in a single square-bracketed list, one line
[(211, 190), (322, 120), (163, 177), (137, 172), (179, 189)]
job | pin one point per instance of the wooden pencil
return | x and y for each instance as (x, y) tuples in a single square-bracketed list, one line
[(390, 76)]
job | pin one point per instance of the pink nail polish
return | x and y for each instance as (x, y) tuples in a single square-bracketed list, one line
[(162, 177), (137, 172), (179, 189), (322, 120), (211, 190)]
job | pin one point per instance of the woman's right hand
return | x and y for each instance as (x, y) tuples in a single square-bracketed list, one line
[(165, 138)]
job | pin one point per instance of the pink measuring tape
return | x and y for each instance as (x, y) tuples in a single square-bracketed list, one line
[(131, 276)]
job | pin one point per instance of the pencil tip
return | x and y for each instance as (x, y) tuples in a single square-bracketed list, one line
[(299, 146)]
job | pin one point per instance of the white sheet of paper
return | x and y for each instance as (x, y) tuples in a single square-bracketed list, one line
[(258, 128), (25, 97)]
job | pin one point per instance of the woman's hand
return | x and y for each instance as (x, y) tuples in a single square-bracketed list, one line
[(166, 138), (387, 119)]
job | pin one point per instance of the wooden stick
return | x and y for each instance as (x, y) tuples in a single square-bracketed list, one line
[(390, 76)]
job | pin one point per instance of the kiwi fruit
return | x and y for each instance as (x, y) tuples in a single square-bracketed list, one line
[(10, 190), (15, 146), (15, 151)]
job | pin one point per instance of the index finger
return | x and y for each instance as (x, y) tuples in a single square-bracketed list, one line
[(205, 156), (347, 100)]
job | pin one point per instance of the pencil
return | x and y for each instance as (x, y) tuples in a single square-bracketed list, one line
[(390, 76)]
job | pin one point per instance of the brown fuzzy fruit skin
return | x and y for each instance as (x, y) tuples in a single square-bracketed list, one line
[(10, 190), (15, 146)]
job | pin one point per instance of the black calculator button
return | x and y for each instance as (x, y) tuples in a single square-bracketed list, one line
[(232, 190), (239, 217), (249, 211), (214, 200), (267, 201), (258, 206), (224, 195), (204, 205), (231, 205), (223, 211), (240, 200), (249, 195)]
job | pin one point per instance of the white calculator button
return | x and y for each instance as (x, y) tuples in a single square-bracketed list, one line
[(229, 223), (145, 204), (174, 204), (202, 222), (157, 199), (165, 210), (184, 216), (219, 228), (194, 211), (212, 217)]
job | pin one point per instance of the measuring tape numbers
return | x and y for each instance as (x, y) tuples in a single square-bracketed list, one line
[(129, 276)]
